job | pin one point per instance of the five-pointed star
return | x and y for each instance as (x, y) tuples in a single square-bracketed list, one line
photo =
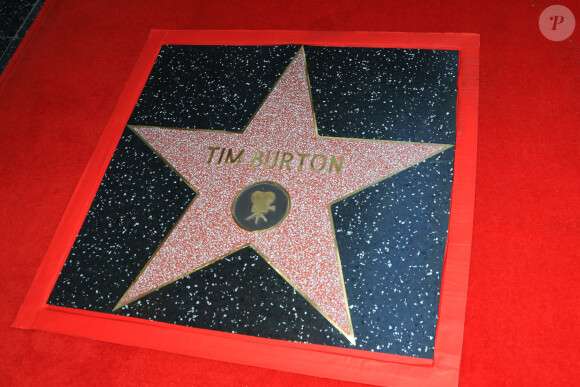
[(302, 248)]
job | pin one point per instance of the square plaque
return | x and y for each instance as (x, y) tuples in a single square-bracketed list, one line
[(288, 199)]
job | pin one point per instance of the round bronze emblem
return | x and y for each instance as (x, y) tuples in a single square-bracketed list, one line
[(261, 206)]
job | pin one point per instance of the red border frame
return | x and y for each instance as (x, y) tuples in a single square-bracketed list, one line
[(338, 363)]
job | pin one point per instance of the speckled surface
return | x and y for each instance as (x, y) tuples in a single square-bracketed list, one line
[(220, 89), (391, 236), (16, 17), (13, 14)]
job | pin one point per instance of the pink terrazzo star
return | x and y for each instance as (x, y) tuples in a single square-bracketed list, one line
[(302, 248)]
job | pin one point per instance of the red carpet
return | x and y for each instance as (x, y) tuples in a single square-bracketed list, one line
[(59, 91)]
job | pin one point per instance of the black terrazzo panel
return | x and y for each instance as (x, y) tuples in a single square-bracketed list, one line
[(30, 18), (242, 294), (10, 46), (16, 17), (12, 14), (388, 94), (209, 87), (4, 43), (391, 239), (136, 205), (391, 236)]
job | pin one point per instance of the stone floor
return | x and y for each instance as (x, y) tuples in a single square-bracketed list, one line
[(16, 17)]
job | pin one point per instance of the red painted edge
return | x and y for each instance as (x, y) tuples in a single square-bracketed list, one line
[(311, 359)]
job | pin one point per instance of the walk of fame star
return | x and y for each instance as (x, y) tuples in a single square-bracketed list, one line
[(301, 245)]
